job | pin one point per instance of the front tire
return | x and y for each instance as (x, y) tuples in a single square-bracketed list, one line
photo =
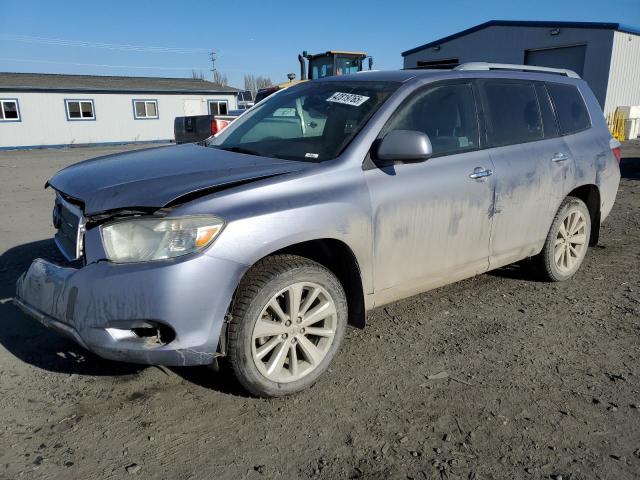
[(287, 322), (567, 242)]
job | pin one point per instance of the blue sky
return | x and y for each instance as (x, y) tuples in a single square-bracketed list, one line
[(169, 38)]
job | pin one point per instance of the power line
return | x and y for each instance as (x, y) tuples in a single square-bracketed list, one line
[(108, 46), (95, 64), (53, 62)]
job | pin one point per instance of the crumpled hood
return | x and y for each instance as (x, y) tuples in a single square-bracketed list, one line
[(157, 176)]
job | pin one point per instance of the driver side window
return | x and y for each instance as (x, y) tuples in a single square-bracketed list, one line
[(446, 113)]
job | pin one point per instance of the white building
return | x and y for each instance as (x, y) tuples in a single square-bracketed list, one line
[(43, 110), (606, 55)]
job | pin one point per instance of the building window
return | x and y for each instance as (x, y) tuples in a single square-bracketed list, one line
[(80, 110), (9, 111), (218, 107), (447, 63), (145, 109)]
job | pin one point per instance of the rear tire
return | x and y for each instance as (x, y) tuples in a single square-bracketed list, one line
[(287, 322), (567, 242)]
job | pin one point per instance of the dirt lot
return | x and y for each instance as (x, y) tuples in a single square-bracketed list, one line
[(543, 379)]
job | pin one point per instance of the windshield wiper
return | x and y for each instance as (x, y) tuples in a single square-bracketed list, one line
[(246, 151)]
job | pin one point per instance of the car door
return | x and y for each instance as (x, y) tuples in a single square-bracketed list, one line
[(531, 164), (432, 220)]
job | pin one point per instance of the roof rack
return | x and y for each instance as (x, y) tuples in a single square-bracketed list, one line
[(523, 68)]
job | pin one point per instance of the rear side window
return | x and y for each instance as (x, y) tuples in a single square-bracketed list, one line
[(446, 113), (513, 113), (571, 111)]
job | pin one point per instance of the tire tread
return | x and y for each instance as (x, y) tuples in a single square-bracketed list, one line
[(543, 261), (253, 282)]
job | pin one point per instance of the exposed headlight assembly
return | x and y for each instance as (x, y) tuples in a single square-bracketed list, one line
[(143, 239)]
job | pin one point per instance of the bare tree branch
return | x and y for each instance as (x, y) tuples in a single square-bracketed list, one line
[(250, 84), (263, 82), (220, 78), (254, 83)]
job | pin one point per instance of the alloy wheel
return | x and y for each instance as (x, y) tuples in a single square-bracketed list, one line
[(570, 243), (294, 332)]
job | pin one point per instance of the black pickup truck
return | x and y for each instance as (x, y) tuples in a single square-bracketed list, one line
[(196, 128)]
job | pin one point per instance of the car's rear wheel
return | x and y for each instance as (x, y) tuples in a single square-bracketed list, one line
[(287, 322), (567, 241)]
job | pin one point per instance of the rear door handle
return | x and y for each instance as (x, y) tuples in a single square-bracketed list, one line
[(559, 157), (480, 172)]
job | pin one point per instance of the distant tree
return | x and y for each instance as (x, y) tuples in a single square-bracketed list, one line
[(197, 75), (254, 83), (250, 84), (220, 78), (263, 82)]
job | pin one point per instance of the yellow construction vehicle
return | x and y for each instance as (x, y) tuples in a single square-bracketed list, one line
[(321, 65), (333, 62)]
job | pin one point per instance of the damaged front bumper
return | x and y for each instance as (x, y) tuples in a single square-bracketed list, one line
[(160, 313)]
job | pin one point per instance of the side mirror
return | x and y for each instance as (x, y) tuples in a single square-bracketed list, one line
[(403, 146)]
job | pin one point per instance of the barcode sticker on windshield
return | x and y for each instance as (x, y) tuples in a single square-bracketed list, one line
[(311, 155), (348, 99)]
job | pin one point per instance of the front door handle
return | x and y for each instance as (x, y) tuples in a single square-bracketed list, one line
[(480, 172), (559, 157)]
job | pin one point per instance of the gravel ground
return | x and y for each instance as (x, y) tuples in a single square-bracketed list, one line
[(495, 377)]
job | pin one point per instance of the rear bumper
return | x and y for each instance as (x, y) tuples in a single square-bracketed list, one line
[(98, 305), (609, 186)]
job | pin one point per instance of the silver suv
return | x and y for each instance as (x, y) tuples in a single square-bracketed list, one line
[(326, 200)]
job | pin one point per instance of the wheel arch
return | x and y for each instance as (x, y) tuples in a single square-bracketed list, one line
[(340, 259), (590, 195)]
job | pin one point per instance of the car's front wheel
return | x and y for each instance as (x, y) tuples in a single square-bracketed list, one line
[(287, 322), (567, 241)]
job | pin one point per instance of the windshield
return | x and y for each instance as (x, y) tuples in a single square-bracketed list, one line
[(311, 121), (347, 65), (321, 67)]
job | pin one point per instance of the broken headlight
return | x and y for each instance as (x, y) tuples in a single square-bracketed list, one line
[(143, 239)]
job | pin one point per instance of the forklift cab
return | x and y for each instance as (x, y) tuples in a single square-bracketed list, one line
[(334, 62)]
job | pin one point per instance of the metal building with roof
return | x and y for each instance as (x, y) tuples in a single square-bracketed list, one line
[(44, 110), (606, 55)]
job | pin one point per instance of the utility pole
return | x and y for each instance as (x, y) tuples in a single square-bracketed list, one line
[(212, 57)]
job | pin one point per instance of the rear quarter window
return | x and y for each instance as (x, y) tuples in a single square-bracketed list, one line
[(571, 110)]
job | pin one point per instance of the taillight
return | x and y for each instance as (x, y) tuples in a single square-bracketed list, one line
[(617, 152), (218, 125)]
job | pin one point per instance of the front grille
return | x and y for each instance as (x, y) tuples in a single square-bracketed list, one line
[(70, 224)]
